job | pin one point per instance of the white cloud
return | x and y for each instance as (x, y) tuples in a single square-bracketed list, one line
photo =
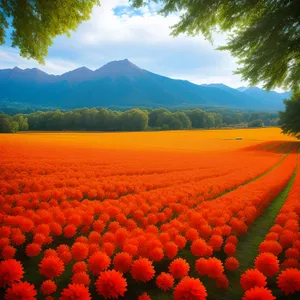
[(144, 39), (10, 58)]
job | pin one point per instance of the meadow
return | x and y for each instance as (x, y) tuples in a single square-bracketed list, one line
[(150, 215)]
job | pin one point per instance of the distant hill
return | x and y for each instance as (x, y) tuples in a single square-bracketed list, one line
[(121, 83)]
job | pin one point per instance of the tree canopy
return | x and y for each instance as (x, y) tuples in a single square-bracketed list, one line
[(264, 35), (290, 118), (36, 23)]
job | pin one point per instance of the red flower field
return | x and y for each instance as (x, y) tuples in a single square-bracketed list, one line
[(84, 220)]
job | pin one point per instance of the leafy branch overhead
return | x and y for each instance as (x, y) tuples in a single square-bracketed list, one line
[(36, 23), (263, 34)]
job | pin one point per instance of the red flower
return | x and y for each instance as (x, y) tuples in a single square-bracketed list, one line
[(214, 267), (201, 266), (229, 249), (98, 262), (70, 231), (179, 268), (190, 288), (144, 296), (216, 242), (75, 292), (164, 281), (8, 252), (258, 293), (142, 270), (289, 281), (222, 282), (290, 263), (11, 270), (232, 239), (156, 254), (111, 284), (267, 263), (253, 278), (171, 249), (66, 257), (81, 278), (79, 251), (51, 267), (33, 249), (231, 264), (79, 266), (48, 287), (270, 246), (122, 262), (21, 291), (199, 247)]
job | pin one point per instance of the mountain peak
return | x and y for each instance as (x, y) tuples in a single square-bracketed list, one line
[(120, 68)]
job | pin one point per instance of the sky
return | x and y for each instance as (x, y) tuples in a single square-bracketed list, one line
[(116, 31)]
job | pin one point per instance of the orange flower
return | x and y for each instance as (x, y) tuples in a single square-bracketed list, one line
[(190, 288), (98, 262), (142, 270), (214, 267), (164, 281), (201, 266), (111, 284), (258, 293), (253, 278), (79, 266), (199, 247), (267, 263), (81, 278), (192, 234), (11, 270), (79, 251), (33, 249), (179, 268), (289, 281), (51, 267), (21, 291), (75, 292), (122, 262), (231, 264), (48, 287)]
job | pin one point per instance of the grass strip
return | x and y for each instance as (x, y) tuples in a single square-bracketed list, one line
[(247, 249)]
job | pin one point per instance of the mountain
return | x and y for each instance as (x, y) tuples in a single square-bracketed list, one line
[(122, 83)]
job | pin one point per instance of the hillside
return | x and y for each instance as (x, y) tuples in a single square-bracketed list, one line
[(121, 83)]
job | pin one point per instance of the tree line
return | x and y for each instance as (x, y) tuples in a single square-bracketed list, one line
[(102, 119)]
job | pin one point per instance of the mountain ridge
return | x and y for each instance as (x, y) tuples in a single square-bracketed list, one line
[(125, 84)]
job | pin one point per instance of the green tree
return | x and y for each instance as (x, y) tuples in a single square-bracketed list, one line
[(23, 122), (264, 34), (197, 117), (290, 118), (7, 124), (36, 23), (256, 123), (134, 120)]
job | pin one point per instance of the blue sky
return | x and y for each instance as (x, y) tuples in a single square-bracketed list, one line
[(115, 32)]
